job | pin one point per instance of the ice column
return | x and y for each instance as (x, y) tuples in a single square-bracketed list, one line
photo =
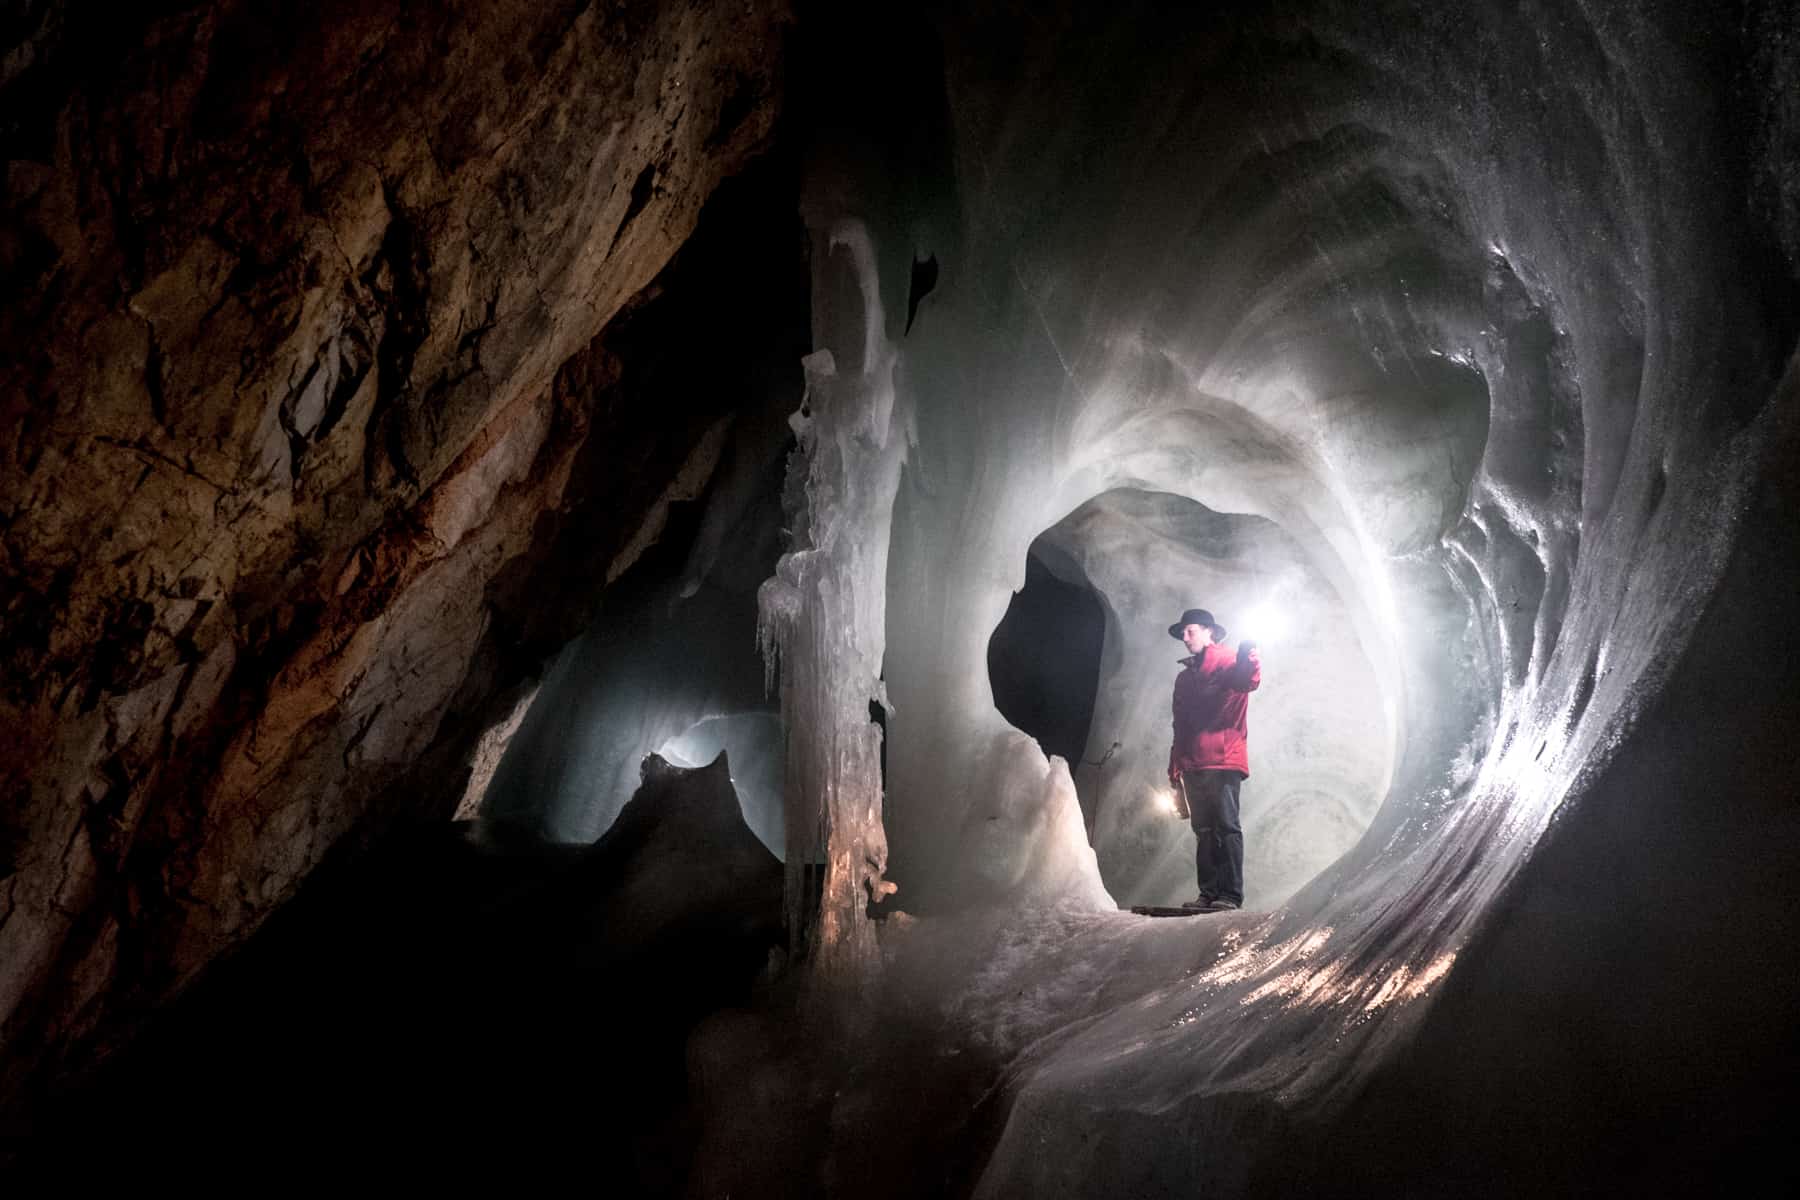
[(823, 614)]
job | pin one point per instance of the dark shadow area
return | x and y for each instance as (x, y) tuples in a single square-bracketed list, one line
[(445, 1007), (1044, 660), (712, 345)]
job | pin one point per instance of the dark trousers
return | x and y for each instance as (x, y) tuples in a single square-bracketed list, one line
[(1212, 798)]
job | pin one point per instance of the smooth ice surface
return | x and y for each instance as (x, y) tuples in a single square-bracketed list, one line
[(1021, 841)]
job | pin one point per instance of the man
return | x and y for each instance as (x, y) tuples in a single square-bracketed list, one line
[(1209, 760)]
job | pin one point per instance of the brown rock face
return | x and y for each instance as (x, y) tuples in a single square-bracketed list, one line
[(279, 384)]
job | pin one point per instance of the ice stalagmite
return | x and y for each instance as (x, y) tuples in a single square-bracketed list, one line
[(823, 614)]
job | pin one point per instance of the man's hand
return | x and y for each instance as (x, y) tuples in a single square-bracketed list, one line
[(1255, 657)]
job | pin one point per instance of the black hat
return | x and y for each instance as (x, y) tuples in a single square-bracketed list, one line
[(1197, 616)]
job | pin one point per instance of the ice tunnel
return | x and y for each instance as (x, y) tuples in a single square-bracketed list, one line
[(1406, 341), (1394, 350), (1321, 765), (742, 462)]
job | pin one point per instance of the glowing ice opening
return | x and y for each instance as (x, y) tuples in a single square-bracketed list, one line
[(1321, 739), (752, 743)]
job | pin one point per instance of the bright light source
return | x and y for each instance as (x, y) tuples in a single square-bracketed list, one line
[(1263, 623), (1164, 800)]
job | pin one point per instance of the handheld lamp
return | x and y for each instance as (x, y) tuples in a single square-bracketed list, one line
[(1264, 623)]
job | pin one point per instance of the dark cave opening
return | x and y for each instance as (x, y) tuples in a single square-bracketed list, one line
[(1044, 660)]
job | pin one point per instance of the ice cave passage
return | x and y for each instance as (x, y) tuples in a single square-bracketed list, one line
[(1377, 364), (1323, 749), (602, 573)]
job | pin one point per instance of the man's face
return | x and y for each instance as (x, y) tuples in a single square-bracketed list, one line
[(1196, 637)]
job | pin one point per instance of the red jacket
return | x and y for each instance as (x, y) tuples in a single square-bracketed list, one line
[(1212, 697)]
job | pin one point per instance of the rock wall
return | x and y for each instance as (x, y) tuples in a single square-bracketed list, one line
[(301, 374)]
